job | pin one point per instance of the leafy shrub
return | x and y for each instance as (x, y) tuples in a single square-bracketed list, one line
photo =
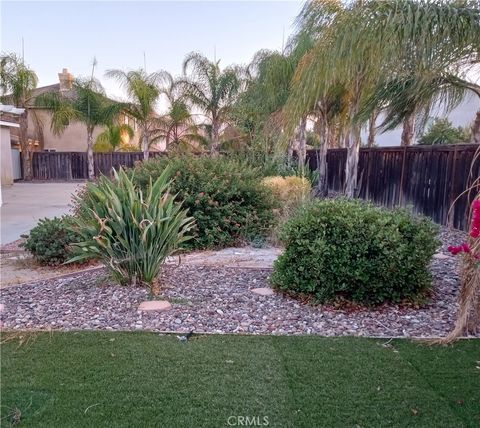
[(130, 230), (49, 241), (355, 251), (441, 131), (224, 196)]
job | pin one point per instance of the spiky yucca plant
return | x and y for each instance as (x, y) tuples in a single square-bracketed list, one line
[(130, 230)]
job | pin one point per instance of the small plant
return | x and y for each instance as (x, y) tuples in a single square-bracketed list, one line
[(258, 242), (50, 240), (354, 251), (131, 230), (226, 198)]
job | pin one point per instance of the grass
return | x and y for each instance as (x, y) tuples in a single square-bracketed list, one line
[(92, 379)]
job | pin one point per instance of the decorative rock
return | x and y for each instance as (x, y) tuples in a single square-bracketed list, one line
[(78, 302), (263, 291), (2, 307), (440, 256), (155, 305)]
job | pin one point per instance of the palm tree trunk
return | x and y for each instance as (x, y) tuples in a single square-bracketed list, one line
[(91, 166), (26, 154), (408, 131), (371, 129), (145, 144), (476, 129), (351, 166), (214, 150), (302, 143), (167, 141), (323, 133), (290, 152)]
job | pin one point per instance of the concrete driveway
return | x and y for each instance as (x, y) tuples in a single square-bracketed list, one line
[(25, 203)]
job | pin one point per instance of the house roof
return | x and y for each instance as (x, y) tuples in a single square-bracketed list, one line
[(9, 124), (5, 108), (10, 114)]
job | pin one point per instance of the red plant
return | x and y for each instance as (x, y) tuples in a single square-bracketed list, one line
[(474, 232), (475, 227)]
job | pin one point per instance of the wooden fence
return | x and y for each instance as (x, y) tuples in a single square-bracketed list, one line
[(74, 166), (428, 178)]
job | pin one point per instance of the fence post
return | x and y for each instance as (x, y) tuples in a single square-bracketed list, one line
[(450, 217), (402, 175), (369, 172), (69, 169)]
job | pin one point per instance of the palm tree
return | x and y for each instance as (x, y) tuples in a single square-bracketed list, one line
[(143, 91), (409, 102), (432, 71), (365, 41), (256, 112), (325, 100), (86, 104), (177, 127), (17, 84), (212, 90), (114, 136)]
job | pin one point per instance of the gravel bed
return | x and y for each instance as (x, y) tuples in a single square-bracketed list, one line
[(219, 300)]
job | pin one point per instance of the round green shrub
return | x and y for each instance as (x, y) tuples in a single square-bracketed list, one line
[(226, 198), (49, 241), (352, 250)]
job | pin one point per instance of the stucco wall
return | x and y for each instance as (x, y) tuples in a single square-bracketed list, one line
[(73, 139), (6, 156)]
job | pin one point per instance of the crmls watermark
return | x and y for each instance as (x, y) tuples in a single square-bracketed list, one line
[(248, 421)]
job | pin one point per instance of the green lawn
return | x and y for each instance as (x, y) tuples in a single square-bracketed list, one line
[(143, 379)]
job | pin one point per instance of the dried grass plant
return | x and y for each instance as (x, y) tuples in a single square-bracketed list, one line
[(468, 315), (291, 193)]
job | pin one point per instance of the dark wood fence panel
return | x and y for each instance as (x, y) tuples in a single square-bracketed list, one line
[(79, 165), (52, 166), (74, 165), (428, 178)]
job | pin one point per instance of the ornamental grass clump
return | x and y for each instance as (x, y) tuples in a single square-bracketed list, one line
[(351, 250), (131, 230), (291, 192)]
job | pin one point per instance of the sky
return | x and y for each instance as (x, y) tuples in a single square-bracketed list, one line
[(70, 34)]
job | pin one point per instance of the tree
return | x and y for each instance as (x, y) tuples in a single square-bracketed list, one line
[(17, 83), (212, 90), (177, 127), (143, 91), (317, 89), (113, 137), (86, 104), (441, 131), (420, 75), (366, 44), (259, 108)]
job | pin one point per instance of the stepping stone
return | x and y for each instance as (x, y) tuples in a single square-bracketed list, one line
[(155, 305), (263, 291), (2, 307), (440, 256)]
